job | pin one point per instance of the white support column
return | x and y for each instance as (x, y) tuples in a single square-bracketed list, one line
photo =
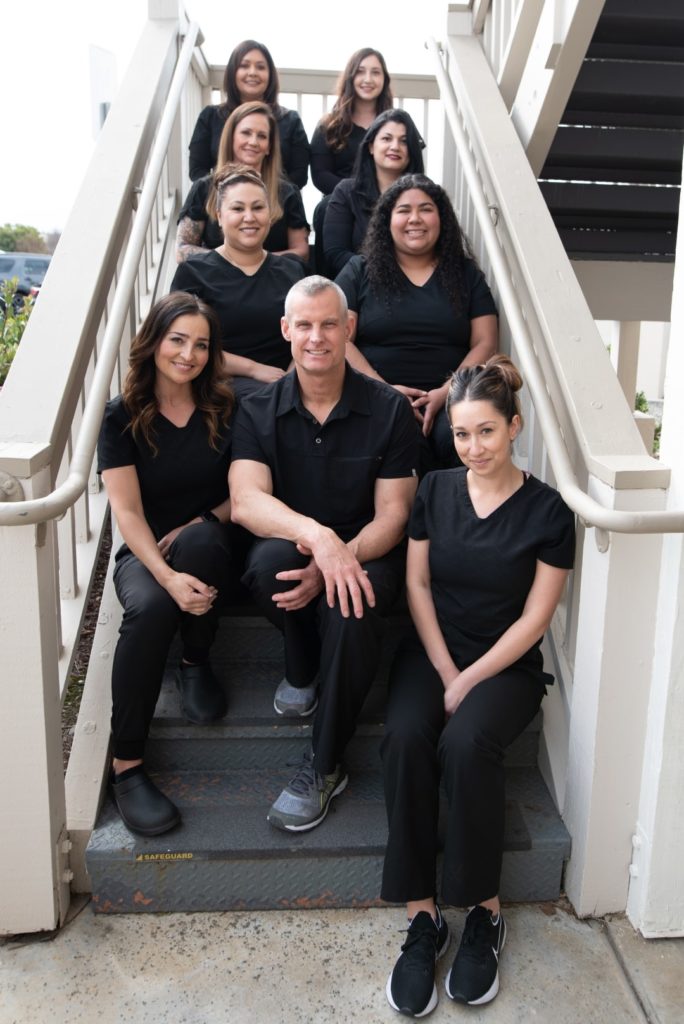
[(518, 48), (656, 894), (563, 34), (614, 652), (34, 885), (628, 358)]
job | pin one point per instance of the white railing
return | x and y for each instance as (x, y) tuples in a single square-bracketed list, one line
[(118, 246), (581, 437), (112, 261), (120, 251)]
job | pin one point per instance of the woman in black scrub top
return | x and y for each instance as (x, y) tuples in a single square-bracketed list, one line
[(363, 92), (249, 138), (164, 453), (424, 308), (391, 147), (245, 285), (250, 75), (490, 548)]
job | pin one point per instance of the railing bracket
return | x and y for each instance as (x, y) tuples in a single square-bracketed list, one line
[(10, 488), (602, 538)]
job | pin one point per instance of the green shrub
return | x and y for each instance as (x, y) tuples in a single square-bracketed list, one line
[(640, 402), (13, 320)]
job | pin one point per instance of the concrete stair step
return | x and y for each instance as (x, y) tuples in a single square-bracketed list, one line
[(225, 856)]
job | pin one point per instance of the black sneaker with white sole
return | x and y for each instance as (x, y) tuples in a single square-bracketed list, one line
[(474, 975), (411, 988)]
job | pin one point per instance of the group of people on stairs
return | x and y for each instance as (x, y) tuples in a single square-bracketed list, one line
[(327, 445)]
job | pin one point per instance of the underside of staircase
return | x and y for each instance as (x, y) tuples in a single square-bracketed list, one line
[(613, 174), (225, 856)]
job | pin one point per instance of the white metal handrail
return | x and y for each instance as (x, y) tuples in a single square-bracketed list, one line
[(57, 502), (590, 511)]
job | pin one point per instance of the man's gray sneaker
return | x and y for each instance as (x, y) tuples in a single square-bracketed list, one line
[(295, 701), (304, 802)]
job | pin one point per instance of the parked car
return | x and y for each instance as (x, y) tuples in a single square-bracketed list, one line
[(29, 268)]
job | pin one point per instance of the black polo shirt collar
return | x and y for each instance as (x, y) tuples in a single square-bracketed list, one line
[(354, 397)]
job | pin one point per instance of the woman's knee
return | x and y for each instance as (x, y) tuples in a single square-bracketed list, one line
[(202, 544), (150, 608), (408, 738), (464, 745)]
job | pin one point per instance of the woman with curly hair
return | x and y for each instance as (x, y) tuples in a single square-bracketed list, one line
[(250, 75), (164, 452), (363, 92), (423, 306), (249, 139), (391, 147)]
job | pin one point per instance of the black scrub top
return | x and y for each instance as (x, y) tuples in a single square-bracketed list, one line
[(328, 471), (182, 480), (481, 570), (195, 207), (294, 145), (415, 338), (329, 166), (249, 307)]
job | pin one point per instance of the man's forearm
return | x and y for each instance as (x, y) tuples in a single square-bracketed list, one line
[(266, 516), (378, 537)]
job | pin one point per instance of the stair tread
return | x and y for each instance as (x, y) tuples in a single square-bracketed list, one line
[(250, 688), (224, 816), (224, 777)]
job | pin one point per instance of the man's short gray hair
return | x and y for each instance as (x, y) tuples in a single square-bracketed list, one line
[(312, 286)]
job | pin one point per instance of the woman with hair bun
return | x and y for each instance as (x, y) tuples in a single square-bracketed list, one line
[(392, 146), (423, 306), (250, 75), (490, 548), (244, 284), (164, 452)]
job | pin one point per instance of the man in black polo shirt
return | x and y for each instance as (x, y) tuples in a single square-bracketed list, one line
[(323, 471)]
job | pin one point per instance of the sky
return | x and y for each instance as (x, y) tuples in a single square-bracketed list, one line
[(47, 73)]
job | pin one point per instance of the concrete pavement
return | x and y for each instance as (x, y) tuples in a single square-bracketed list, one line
[(312, 967)]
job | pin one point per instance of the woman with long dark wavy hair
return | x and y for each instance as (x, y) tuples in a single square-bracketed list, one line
[(392, 146), (250, 75), (423, 306), (249, 139), (363, 92), (164, 453)]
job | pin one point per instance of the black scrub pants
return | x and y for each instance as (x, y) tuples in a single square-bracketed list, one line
[(150, 620), (318, 639), (467, 752)]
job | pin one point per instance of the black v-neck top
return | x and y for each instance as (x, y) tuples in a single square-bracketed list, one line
[(415, 338), (183, 480), (249, 307), (482, 569)]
